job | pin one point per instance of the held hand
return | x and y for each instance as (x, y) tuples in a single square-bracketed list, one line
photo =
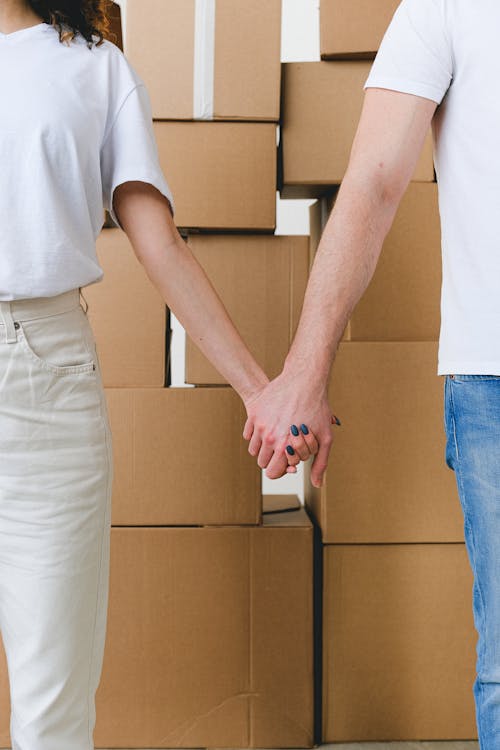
[(296, 449), (270, 414)]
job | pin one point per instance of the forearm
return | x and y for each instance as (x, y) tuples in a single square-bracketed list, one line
[(344, 264), (189, 293)]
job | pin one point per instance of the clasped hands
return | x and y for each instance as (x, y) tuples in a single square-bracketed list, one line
[(289, 421)]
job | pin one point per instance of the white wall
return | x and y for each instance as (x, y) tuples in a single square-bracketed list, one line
[(299, 42)]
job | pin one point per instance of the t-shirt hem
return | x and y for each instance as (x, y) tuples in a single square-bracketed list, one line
[(469, 368), (405, 86)]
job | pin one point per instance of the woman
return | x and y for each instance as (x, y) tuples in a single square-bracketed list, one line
[(76, 123)]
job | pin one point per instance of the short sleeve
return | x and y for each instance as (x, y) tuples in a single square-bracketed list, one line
[(415, 55), (129, 150)]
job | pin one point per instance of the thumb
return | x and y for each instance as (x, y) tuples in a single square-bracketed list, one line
[(320, 462)]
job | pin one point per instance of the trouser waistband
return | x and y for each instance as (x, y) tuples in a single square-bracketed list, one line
[(29, 308)]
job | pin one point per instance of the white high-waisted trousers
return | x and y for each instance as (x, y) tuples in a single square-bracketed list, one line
[(56, 474)]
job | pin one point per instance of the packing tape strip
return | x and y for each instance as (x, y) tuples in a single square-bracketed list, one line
[(204, 57)]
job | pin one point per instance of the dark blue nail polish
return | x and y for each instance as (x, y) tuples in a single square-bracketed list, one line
[(304, 429), (338, 420), (294, 430), (290, 450)]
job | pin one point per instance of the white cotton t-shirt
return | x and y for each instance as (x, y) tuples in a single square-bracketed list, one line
[(447, 51), (76, 122)]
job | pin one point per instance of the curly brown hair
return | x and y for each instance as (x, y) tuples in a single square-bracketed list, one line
[(89, 17)]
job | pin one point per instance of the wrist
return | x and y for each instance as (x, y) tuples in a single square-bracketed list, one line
[(253, 385), (308, 378)]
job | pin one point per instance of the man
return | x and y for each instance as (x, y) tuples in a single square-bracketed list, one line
[(437, 66)]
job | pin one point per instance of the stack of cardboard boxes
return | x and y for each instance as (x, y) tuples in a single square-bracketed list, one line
[(210, 620), (398, 633), (211, 640)]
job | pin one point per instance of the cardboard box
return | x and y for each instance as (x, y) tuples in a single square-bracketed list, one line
[(387, 478), (180, 458), (402, 300), (222, 174), (399, 643), (219, 62), (280, 503), (321, 107), (352, 29), (210, 637), (128, 316), (261, 281), (115, 25)]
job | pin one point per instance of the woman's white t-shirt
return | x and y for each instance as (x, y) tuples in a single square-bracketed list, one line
[(76, 122), (447, 51)]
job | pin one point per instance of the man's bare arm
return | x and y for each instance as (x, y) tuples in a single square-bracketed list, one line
[(385, 150), (384, 154)]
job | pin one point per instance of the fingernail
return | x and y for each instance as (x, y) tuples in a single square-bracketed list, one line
[(290, 450), (337, 419), (304, 429), (294, 430)]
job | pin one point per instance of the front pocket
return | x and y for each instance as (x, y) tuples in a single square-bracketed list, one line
[(58, 343)]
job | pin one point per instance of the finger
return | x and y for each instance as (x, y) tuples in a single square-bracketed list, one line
[(291, 454), (277, 466), (296, 440), (248, 429), (291, 469), (255, 443), (320, 461), (310, 439), (311, 443), (265, 454)]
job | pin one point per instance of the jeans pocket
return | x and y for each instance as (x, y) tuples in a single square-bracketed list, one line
[(59, 344)]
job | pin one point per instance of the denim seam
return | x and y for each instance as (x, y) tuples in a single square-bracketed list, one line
[(452, 417), (473, 544), (99, 582)]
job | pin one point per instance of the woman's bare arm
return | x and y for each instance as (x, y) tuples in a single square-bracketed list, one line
[(145, 215)]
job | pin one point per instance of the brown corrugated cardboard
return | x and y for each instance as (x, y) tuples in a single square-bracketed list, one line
[(387, 479), (261, 280), (115, 26), (180, 458), (245, 57), (280, 503), (352, 29), (399, 643), (210, 637), (402, 300), (321, 107), (128, 316), (222, 174)]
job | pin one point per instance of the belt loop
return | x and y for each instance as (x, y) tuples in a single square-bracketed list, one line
[(8, 321)]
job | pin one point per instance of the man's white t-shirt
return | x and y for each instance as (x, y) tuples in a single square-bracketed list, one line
[(76, 122), (447, 51)]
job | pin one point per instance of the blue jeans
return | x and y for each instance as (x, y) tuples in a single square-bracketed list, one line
[(472, 425)]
